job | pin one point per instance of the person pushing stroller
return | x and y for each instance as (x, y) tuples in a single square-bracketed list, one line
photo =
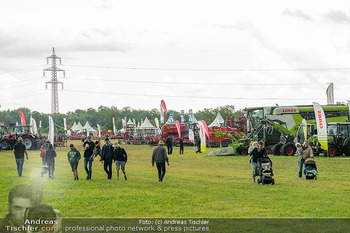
[(257, 153)]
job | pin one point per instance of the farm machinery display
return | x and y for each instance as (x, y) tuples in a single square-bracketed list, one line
[(239, 145), (338, 136), (9, 138)]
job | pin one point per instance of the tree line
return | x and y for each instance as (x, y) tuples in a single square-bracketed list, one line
[(103, 116)]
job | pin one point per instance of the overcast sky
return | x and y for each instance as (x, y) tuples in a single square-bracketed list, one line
[(193, 54)]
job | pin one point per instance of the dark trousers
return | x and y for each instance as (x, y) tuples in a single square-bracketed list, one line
[(107, 165), (51, 168), (88, 160), (161, 170), (181, 150), (198, 149)]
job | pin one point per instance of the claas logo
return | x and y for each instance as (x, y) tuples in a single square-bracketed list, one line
[(319, 115), (289, 110)]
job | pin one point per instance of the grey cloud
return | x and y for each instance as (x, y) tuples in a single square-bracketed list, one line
[(297, 13), (337, 16)]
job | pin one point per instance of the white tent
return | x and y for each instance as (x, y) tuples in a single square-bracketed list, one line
[(89, 129), (147, 125), (78, 128), (129, 122), (218, 121), (73, 126)]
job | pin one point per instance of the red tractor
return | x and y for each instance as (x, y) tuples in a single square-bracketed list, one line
[(9, 139)]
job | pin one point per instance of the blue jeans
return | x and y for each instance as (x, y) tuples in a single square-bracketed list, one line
[(86, 161), (301, 162), (19, 163), (255, 171)]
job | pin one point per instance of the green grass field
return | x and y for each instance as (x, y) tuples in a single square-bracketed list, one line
[(194, 186)]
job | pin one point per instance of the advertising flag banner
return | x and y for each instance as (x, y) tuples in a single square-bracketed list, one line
[(34, 128), (162, 103), (65, 124), (305, 128), (51, 135), (177, 124), (202, 136), (161, 115), (23, 118), (330, 94), (114, 129), (157, 124), (321, 126), (39, 124), (206, 129), (99, 130), (190, 116), (191, 135), (182, 116)]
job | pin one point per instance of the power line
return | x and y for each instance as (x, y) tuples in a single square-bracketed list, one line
[(189, 97), (214, 69), (22, 96), (199, 83), (33, 68)]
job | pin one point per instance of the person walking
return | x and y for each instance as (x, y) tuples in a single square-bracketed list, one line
[(73, 158), (89, 155), (98, 147), (256, 154), (43, 151), (306, 153), (50, 155), (181, 146), (19, 150), (120, 159), (198, 144), (159, 157), (169, 145), (107, 155)]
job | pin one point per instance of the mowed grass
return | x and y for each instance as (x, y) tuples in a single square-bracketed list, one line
[(194, 186)]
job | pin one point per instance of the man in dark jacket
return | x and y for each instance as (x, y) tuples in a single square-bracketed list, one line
[(50, 155), (181, 146), (107, 156), (120, 158), (19, 150), (159, 157), (169, 145), (256, 154), (89, 155), (198, 144)]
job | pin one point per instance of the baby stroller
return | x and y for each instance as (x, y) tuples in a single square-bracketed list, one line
[(310, 170), (265, 171)]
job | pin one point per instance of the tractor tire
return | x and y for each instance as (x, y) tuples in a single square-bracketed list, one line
[(288, 149), (5, 144), (347, 150), (29, 142), (243, 151), (276, 149), (332, 150)]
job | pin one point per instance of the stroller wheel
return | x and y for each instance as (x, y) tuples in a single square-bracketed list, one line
[(315, 177)]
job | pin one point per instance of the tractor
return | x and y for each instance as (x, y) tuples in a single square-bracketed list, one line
[(9, 139), (338, 138)]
